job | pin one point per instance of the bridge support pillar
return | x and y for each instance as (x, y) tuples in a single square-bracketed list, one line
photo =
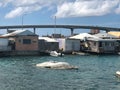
[(7, 30), (34, 29), (72, 31)]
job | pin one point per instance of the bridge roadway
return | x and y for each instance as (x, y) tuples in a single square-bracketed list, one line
[(71, 27)]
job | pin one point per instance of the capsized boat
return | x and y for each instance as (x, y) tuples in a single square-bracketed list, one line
[(56, 65)]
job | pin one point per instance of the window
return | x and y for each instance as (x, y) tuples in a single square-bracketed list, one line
[(26, 41)]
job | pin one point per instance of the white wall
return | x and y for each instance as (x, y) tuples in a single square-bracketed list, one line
[(72, 45), (69, 45), (3, 42)]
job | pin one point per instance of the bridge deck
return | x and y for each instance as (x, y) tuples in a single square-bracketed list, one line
[(61, 26)]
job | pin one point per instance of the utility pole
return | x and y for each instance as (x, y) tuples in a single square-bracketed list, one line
[(55, 26), (23, 20)]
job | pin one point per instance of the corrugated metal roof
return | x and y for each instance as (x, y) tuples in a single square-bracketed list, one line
[(82, 36), (100, 39), (105, 35), (19, 32), (114, 33), (47, 39)]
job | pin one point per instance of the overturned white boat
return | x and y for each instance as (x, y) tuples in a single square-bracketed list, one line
[(54, 53), (56, 65)]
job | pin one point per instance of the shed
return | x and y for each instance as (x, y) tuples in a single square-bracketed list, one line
[(69, 45), (48, 44), (22, 40)]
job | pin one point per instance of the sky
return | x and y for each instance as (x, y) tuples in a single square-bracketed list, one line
[(68, 12)]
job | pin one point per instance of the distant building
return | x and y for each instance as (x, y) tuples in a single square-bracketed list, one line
[(22, 40), (56, 35), (94, 31), (105, 43), (112, 43), (98, 43)]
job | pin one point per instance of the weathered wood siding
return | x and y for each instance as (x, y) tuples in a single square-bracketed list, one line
[(20, 46)]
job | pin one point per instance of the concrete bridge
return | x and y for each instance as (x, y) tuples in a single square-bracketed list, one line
[(70, 27)]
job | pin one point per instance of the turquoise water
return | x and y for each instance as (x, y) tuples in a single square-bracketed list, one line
[(94, 73)]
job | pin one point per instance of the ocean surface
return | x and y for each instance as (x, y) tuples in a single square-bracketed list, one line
[(96, 72)]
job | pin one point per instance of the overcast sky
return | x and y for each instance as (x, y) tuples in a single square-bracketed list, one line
[(80, 12)]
